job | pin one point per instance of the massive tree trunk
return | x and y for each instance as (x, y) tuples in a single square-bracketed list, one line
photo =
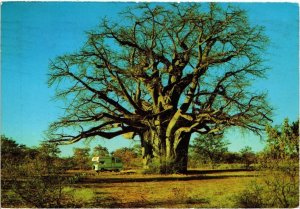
[(165, 155)]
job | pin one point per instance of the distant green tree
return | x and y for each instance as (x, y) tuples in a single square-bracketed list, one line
[(48, 155), (11, 152), (231, 157), (49, 149), (82, 158), (248, 157), (209, 148), (100, 151), (127, 155), (283, 140), (68, 163)]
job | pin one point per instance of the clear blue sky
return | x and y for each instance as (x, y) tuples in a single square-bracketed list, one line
[(33, 33)]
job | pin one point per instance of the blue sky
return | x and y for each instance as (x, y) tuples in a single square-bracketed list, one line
[(33, 33)]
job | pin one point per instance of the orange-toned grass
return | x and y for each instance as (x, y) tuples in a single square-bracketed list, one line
[(212, 189)]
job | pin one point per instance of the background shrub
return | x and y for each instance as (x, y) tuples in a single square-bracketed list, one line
[(278, 188)]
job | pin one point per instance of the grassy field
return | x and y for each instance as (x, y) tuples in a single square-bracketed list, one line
[(206, 188)]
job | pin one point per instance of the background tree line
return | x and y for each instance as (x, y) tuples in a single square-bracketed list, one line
[(37, 175), (281, 143)]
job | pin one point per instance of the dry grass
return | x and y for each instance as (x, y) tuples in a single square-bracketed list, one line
[(200, 188), (207, 189)]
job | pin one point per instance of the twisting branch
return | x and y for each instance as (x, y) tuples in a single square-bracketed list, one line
[(170, 71)]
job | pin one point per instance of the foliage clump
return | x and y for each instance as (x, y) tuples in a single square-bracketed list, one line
[(33, 177), (209, 149), (278, 188), (279, 163)]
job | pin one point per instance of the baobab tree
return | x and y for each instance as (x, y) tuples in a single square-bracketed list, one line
[(162, 73)]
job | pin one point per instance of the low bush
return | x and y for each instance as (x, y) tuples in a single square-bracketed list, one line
[(252, 197), (37, 181), (279, 188)]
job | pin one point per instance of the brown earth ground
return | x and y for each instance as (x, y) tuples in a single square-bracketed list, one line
[(199, 188)]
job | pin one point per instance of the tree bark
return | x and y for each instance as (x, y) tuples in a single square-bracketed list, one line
[(165, 156), (147, 150)]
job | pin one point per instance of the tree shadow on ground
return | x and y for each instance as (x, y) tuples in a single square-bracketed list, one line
[(192, 172), (144, 203), (192, 175)]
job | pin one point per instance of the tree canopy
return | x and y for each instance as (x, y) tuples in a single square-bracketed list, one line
[(100, 151), (209, 148), (163, 73)]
